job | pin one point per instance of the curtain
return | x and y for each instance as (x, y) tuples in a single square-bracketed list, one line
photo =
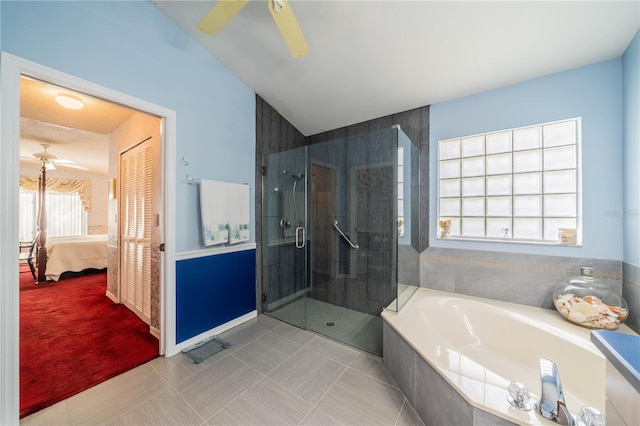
[(82, 187)]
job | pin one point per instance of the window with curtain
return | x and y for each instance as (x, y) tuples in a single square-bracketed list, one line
[(66, 214)]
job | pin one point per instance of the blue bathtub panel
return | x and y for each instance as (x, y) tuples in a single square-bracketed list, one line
[(213, 290)]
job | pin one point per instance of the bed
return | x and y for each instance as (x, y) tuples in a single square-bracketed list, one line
[(75, 254)]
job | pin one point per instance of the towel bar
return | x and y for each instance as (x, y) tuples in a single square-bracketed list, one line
[(195, 181)]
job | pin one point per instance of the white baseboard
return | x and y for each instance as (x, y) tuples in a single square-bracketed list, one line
[(155, 332), (208, 335), (112, 297)]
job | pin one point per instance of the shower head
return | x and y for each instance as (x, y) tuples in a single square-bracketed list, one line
[(295, 177)]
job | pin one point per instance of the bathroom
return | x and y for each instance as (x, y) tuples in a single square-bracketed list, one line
[(519, 273), (524, 274)]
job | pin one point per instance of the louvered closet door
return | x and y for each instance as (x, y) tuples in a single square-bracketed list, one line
[(135, 229)]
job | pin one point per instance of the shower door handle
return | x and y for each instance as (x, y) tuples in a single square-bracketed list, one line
[(299, 243)]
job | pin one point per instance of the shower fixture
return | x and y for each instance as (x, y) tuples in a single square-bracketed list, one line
[(295, 177), (285, 223)]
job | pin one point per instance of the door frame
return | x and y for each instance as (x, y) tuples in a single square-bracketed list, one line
[(11, 69)]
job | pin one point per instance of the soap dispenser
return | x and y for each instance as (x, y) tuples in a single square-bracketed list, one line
[(589, 302)]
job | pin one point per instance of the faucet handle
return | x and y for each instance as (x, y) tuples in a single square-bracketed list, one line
[(564, 416), (519, 396), (590, 416)]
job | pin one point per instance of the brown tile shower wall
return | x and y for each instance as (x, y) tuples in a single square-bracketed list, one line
[(511, 277)]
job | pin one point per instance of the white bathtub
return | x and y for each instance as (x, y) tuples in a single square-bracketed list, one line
[(479, 346)]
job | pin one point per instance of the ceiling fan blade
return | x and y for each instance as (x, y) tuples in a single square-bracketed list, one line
[(289, 27), (70, 165), (220, 15)]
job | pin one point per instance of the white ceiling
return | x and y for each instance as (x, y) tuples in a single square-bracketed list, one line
[(78, 138), (367, 59), (373, 58)]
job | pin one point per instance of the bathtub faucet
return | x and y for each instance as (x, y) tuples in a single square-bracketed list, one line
[(551, 404)]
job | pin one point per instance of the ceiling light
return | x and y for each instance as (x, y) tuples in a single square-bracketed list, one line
[(68, 102)]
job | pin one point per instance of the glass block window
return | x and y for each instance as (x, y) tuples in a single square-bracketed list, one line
[(517, 185)]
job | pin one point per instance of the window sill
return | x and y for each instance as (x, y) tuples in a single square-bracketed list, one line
[(509, 241)]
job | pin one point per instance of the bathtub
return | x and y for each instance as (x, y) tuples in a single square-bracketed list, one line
[(477, 347)]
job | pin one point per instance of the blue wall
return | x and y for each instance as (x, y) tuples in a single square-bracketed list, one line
[(593, 92), (214, 290), (133, 48), (631, 90)]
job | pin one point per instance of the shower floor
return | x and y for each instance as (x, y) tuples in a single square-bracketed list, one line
[(357, 329)]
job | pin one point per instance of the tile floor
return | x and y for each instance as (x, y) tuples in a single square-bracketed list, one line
[(273, 374)]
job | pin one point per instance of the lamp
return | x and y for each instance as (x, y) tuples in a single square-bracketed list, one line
[(46, 157), (69, 102)]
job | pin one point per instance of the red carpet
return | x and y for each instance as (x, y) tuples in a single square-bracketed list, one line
[(73, 337)]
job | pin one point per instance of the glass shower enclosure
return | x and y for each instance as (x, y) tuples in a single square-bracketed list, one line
[(334, 216)]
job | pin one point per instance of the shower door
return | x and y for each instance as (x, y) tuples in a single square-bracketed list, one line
[(285, 236), (330, 236), (353, 199)]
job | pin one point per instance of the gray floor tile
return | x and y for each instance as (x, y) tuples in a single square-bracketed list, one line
[(180, 366), (308, 375), (408, 416), (267, 322), (266, 352), (57, 414), (356, 399), (319, 418), (336, 351), (348, 386), (168, 408), (373, 367), (109, 399), (247, 332), (217, 385), (294, 334), (265, 403)]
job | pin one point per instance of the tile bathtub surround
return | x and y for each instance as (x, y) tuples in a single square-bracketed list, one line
[(273, 373), (408, 265), (631, 294), (510, 277), (436, 402)]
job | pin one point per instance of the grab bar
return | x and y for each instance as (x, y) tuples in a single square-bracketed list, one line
[(335, 225)]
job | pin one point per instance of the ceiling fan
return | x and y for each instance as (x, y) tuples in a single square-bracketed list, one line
[(224, 10), (50, 161)]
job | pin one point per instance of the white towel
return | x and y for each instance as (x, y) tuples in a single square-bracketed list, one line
[(239, 212), (214, 212)]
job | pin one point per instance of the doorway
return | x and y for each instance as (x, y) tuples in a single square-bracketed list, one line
[(88, 145), (13, 68), (82, 141)]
